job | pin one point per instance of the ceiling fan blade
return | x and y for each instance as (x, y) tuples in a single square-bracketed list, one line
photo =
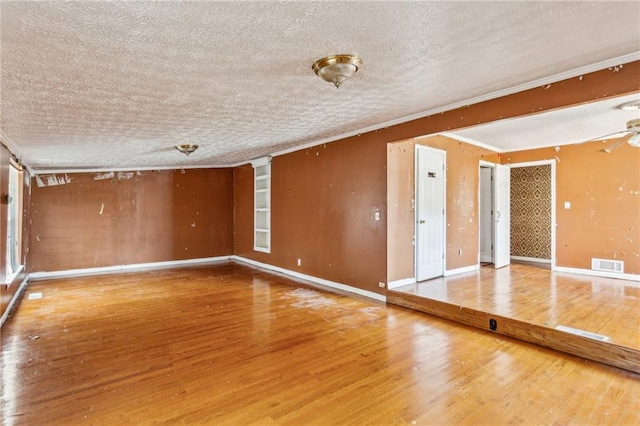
[(605, 137), (616, 144)]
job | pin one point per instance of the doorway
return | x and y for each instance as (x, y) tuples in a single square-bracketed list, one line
[(494, 212), (533, 212)]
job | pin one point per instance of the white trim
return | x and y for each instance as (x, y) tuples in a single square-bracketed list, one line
[(262, 161), (313, 279), (131, 169), (467, 140), (532, 163), (463, 270), (13, 148), (630, 277), (530, 259), (44, 275), (12, 276), (552, 163), (481, 164), (484, 163), (399, 283), (13, 301)]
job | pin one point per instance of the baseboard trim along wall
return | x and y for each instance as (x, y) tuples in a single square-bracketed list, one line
[(14, 299), (630, 277), (463, 270), (35, 276), (399, 283), (313, 279), (530, 259)]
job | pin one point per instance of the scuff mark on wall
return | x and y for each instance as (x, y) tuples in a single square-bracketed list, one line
[(101, 176)]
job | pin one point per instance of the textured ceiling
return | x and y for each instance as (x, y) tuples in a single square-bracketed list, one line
[(560, 127), (115, 85)]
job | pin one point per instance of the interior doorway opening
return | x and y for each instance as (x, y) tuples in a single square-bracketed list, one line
[(494, 213)]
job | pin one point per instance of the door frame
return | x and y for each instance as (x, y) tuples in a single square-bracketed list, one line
[(501, 207), (494, 189), (488, 165), (552, 163), (443, 153)]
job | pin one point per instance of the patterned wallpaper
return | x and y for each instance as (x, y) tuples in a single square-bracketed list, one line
[(531, 211)]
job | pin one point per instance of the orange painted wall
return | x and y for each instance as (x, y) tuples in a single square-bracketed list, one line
[(323, 202), (130, 218), (324, 198), (461, 203), (604, 192), (400, 210)]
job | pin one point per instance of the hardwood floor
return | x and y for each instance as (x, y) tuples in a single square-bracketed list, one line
[(230, 344), (605, 306), (592, 317)]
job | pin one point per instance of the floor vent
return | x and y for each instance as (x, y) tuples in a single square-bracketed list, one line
[(582, 333), (607, 265)]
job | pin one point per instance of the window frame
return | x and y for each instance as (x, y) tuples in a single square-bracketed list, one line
[(15, 206)]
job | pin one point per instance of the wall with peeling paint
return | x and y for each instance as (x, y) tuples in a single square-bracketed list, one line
[(604, 192), (461, 201), (323, 203), (324, 198), (400, 210), (88, 220)]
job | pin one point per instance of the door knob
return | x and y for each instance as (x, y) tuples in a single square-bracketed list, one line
[(421, 221)]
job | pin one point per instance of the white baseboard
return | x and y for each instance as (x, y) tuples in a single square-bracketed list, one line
[(463, 270), (399, 283), (15, 297), (69, 273), (313, 279), (630, 277), (531, 259)]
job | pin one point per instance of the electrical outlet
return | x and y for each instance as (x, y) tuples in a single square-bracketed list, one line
[(381, 284), (299, 262), (459, 252)]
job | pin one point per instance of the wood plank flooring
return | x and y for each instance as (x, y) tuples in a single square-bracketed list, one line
[(604, 306), (230, 344)]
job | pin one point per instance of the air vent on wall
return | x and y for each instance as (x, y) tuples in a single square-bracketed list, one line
[(607, 265)]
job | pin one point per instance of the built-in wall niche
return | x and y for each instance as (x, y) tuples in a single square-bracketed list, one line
[(262, 204)]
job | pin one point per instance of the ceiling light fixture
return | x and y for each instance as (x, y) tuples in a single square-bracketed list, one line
[(634, 140), (186, 149), (630, 106), (337, 68)]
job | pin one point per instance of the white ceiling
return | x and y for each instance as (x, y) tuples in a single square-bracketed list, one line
[(560, 127), (115, 85)]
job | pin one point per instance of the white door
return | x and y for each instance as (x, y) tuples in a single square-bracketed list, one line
[(486, 214), (502, 215), (430, 217)]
